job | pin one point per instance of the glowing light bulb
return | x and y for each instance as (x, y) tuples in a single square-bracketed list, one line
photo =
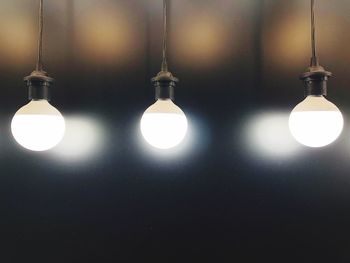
[(316, 122), (164, 125), (38, 126)]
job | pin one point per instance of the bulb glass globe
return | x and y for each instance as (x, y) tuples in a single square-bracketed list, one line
[(316, 122), (164, 125), (38, 126)]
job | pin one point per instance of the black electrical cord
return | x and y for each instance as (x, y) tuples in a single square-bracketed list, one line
[(39, 64), (165, 35), (314, 59)]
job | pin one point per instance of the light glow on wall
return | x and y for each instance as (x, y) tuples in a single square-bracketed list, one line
[(84, 139), (267, 136), (17, 38), (106, 34), (201, 40)]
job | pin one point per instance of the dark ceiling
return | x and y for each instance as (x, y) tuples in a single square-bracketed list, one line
[(238, 190)]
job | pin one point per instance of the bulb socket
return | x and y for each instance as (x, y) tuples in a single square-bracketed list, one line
[(315, 81), (164, 90), (164, 84), (38, 84)]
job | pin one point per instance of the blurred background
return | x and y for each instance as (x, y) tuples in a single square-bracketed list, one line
[(239, 189)]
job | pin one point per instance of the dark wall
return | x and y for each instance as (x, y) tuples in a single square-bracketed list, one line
[(238, 190)]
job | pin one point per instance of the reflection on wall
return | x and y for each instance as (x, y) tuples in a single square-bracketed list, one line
[(267, 136), (84, 139)]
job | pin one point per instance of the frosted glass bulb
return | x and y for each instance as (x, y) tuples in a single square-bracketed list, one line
[(316, 122), (38, 126), (164, 125)]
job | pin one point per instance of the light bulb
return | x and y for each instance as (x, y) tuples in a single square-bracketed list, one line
[(38, 126), (316, 122), (164, 125)]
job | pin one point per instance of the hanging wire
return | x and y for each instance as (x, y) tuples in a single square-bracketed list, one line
[(314, 59), (39, 64), (165, 35)]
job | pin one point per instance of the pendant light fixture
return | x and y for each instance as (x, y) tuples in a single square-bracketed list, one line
[(38, 126), (163, 124), (315, 122)]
